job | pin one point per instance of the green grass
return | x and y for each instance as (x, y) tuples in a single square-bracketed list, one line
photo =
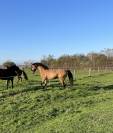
[(87, 107)]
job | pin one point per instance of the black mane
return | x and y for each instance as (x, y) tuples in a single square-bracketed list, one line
[(40, 64)]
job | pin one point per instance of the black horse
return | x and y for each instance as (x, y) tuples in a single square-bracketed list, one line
[(9, 74)]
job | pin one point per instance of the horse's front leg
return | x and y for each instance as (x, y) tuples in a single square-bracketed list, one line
[(12, 82), (46, 81), (8, 83), (43, 83)]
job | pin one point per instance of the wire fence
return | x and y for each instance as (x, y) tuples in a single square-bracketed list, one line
[(91, 71)]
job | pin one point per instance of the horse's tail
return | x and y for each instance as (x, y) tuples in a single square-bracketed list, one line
[(25, 75), (70, 76)]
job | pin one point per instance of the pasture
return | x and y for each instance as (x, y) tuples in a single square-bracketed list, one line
[(87, 107)]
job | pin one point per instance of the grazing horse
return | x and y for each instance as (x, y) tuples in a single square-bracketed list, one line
[(47, 74), (9, 74), (19, 75)]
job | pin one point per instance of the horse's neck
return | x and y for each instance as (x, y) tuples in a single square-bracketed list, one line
[(41, 69)]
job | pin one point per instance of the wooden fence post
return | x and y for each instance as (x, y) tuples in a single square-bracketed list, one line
[(98, 69), (75, 74), (89, 72)]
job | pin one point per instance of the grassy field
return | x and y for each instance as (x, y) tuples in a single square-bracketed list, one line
[(87, 107)]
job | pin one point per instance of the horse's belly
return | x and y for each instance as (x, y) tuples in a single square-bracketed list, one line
[(52, 76)]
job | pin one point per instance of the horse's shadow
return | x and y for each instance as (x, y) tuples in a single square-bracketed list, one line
[(52, 83), (36, 85), (108, 87), (100, 87)]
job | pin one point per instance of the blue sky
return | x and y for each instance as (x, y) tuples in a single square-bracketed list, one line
[(30, 29)]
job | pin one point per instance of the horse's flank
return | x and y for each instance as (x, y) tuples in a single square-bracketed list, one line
[(52, 73)]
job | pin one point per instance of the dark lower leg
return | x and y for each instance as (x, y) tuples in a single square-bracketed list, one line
[(64, 85), (12, 82), (7, 84), (46, 83)]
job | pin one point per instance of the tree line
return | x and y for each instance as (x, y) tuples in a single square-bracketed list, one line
[(93, 60), (102, 59)]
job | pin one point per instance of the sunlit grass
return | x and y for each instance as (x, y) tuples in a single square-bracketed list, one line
[(87, 107)]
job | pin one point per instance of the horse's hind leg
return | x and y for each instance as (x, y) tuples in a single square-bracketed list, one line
[(64, 85), (62, 82)]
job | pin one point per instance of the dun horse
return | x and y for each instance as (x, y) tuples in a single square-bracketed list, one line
[(48, 74)]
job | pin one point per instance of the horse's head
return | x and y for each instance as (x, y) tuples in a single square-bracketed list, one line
[(33, 67)]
